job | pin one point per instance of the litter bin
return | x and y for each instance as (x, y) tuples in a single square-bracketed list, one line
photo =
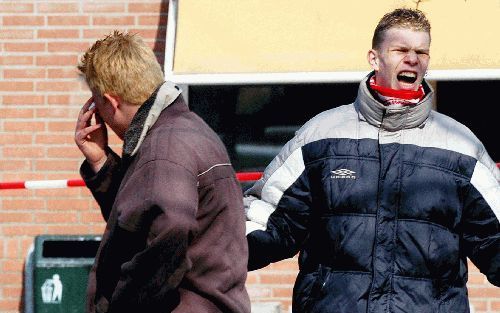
[(57, 273)]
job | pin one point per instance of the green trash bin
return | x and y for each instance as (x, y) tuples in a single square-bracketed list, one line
[(61, 265)]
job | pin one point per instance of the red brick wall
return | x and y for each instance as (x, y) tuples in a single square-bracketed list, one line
[(40, 96)]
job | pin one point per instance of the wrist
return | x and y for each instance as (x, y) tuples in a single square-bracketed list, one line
[(97, 165)]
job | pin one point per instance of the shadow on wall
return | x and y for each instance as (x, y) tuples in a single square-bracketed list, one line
[(160, 42)]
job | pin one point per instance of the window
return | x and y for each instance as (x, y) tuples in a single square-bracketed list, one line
[(254, 122)]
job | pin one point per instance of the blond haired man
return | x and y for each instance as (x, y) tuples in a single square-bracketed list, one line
[(174, 239), (384, 198)]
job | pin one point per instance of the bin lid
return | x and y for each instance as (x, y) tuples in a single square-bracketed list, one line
[(65, 250)]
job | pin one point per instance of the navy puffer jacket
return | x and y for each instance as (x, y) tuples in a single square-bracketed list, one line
[(385, 205)]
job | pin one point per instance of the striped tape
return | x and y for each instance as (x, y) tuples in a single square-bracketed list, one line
[(65, 183)]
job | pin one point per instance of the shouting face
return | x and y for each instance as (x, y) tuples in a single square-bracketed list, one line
[(401, 60)]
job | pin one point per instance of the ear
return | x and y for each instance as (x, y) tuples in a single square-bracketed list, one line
[(372, 57), (115, 101)]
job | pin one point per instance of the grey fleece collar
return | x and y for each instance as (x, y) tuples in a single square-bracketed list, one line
[(147, 115), (392, 118)]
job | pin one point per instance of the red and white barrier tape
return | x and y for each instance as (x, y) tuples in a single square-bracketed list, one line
[(64, 183)]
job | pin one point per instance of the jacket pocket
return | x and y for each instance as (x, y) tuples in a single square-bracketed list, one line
[(310, 288)]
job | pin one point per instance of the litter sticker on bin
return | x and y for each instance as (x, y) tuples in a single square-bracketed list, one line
[(52, 290)]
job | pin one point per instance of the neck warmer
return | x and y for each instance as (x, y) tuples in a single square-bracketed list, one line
[(390, 97)]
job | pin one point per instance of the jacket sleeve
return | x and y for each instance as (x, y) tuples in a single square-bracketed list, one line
[(105, 183), (481, 233), (277, 208), (160, 220)]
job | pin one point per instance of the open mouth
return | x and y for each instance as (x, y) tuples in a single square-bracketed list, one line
[(407, 77)]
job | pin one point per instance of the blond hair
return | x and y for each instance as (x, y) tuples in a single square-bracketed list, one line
[(400, 18), (123, 65)]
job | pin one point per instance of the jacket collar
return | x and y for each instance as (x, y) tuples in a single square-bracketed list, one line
[(147, 115), (392, 119)]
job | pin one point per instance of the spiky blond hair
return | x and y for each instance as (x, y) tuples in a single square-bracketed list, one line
[(400, 18), (123, 65)]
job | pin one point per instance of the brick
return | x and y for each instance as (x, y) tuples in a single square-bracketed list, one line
[(19, 175), (58, 99), (489, 292), (7, 138), (479, 305), (476, 279), (73, 192), (282, 292), (28, 152), (59, 217), (158, 34), (16, 33), (25, 242), (16, 60), (56, 165), (12, 249), (15, 113), (267, 278), (55, 139), (1, 249), (70, 46), (14, 193), (68, 229), (58, 86), (23, 99), (19, 20), (153, 20), (258, 291), (68, 204), (252, 278), (99, 33), (23, 204), (80, 99), (113, 20), (8, 217), (24, 73), (97, 228), (15, 7), (24, 46), (66, 126), (289, 265), (12, 292), (57, 7), (24, 126), (12, 165), (91, 217), (96, 7), (16, 86), (57, 112), (287, 305), (495, 305), (67, 20), (9, 305), (58, 33), (156, 8), (64, 152), (57, 60)]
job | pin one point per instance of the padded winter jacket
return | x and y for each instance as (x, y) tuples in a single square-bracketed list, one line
[(384, 204), (175, 233)]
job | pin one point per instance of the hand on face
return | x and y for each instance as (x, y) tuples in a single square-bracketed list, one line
[(92, 140)]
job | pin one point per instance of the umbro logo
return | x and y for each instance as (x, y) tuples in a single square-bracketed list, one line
[(343, 174)]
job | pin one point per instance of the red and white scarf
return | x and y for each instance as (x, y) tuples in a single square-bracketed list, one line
[(390, 96)]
